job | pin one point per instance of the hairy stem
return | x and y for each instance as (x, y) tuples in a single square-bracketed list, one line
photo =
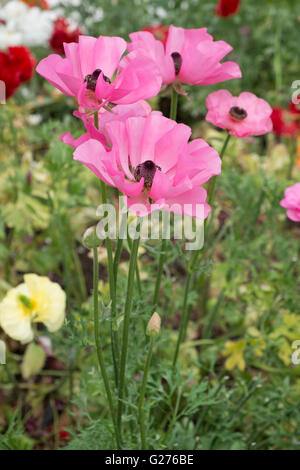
[(113, 295), (127, 313), (185, 309), (98, 346), (141, 416), (161, 262)]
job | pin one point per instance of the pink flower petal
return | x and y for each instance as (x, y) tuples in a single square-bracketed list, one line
[(47, 68), (107, 54), (93, 155), (160, 186)]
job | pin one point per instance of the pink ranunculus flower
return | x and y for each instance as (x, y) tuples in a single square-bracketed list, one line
[(152, 162), (94, 73), (241, 116), (119, 112), (291, 202), (190, 56)]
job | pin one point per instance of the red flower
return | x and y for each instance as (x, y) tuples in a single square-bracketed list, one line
[(37, 3), (16, 67), (285, 121), (295, 108), (227, 7), (160, 32), (62, 32), (64, 434)]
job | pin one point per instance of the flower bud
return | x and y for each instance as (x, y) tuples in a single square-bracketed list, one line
[(153, 327), (90, 239)]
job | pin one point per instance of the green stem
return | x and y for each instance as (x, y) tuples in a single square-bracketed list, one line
[(128, 304), (137, 271), (174, 103), (112, 284), (66, 266), (79, 272), (214, 178), (117, 258), (173, 113), (184, 318), (138, 280), (185, 310), (113, 296), (98, 346), (161, 263), (213, 315), (119, 246), (142, 397)]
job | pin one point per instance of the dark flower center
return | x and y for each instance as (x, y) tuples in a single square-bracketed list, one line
[(177, 59), (92, 78), (237, 113), (147, 171)]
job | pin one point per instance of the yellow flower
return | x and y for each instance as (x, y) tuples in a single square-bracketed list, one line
[(36, 300), (235, 353)]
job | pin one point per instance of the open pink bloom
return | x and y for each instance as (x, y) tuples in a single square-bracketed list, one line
[(120, 112), (189, 56), (92, 72), (291, 202), (151, 161), (241, 116)]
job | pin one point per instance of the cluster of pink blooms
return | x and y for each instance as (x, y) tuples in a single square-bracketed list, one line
[(147, 156)]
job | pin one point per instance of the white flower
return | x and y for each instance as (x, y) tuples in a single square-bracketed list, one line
[(33, 24), (9, 37), (36, 300), (13, 9)]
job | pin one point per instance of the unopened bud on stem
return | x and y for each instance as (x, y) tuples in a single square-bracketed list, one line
[(90, 239), (153, 327)]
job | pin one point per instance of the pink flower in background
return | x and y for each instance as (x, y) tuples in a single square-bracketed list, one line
[(121, 112), (151, 161), (241, 116), (89, 67), (291, 202), (189, 56)]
